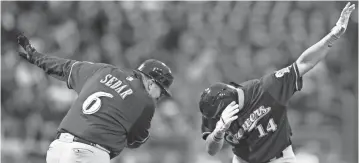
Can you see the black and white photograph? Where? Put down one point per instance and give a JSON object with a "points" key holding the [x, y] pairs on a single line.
{"points": [[179, 81]]}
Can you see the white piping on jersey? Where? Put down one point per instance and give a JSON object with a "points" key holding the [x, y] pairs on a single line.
{"points": [[68, 78], [296, 77], [141, 142]]}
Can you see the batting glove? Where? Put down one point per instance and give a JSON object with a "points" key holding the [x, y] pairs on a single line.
{"points": [[24, 42], [342, 23], [227, 117]]}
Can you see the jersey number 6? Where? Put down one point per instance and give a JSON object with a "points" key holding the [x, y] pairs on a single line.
{"points": [[93, 103]]}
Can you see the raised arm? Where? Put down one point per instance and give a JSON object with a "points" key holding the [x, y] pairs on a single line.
{"points": [[57, 67], [74, 73], [310, 57]]}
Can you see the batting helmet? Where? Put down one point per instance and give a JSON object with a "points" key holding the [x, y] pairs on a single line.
{"points": [[159, 72], [215, 99]]}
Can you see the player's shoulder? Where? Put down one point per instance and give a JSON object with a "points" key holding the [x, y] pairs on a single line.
{"points": [[95, 67], [97, 64], [250, 83], [248, 86], [119, 72], [252, 89]]}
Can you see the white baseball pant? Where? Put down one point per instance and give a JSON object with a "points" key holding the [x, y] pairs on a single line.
{"points": [[65, 150]]}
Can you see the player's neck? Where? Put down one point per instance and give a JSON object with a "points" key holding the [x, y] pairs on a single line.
{"points": [[240, 98]]}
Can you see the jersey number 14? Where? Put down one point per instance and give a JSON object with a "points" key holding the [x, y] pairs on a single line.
{"points": [[271, 127]]}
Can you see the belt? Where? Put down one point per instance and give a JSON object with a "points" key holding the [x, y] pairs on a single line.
{"points": [[73, 138]]}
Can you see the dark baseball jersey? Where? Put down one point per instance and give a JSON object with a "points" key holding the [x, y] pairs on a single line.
{"points": [[262, 130], [113, 108]]}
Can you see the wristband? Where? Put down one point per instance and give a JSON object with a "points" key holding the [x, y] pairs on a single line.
{"points": [[216, 139], [217, 135], [334, 34], [331, 39]]}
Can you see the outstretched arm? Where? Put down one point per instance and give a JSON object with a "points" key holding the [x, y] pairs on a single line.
{"points": [[74, 73], [57, 67], [310, 57]]}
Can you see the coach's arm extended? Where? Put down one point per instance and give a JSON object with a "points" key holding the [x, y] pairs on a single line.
{"points": [[56, 67], [74, 73]]}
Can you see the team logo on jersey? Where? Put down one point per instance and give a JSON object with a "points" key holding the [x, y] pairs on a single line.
{"points": [[282, 71], [129, 78], [234, 138], [254, 117]]}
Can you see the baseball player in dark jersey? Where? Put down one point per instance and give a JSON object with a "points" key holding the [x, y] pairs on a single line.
{"points": [[113, 110], [252, 116]]}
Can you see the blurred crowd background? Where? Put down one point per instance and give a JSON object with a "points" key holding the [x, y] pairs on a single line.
{"points": [[203, 42]]}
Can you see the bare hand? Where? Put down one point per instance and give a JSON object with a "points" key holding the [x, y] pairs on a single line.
{"points": [[342, 23]]}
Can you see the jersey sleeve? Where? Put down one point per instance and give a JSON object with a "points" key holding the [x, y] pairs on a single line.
{"points": [[139, 133], [56, 67], [283, 83], [80, 71], [208, 125]]}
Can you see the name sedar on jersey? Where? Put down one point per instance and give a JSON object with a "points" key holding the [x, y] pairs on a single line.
{"points": [[116, 84]]}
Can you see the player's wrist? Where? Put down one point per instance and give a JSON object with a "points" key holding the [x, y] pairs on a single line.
{"points": [[218, 133], [332, 37], [216, 138]]}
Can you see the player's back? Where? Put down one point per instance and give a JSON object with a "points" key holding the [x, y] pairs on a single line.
{"points": [[110, 101]]}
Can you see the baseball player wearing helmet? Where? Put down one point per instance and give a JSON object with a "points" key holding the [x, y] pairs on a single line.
{"points": [[252, 116], [113, 110]]}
